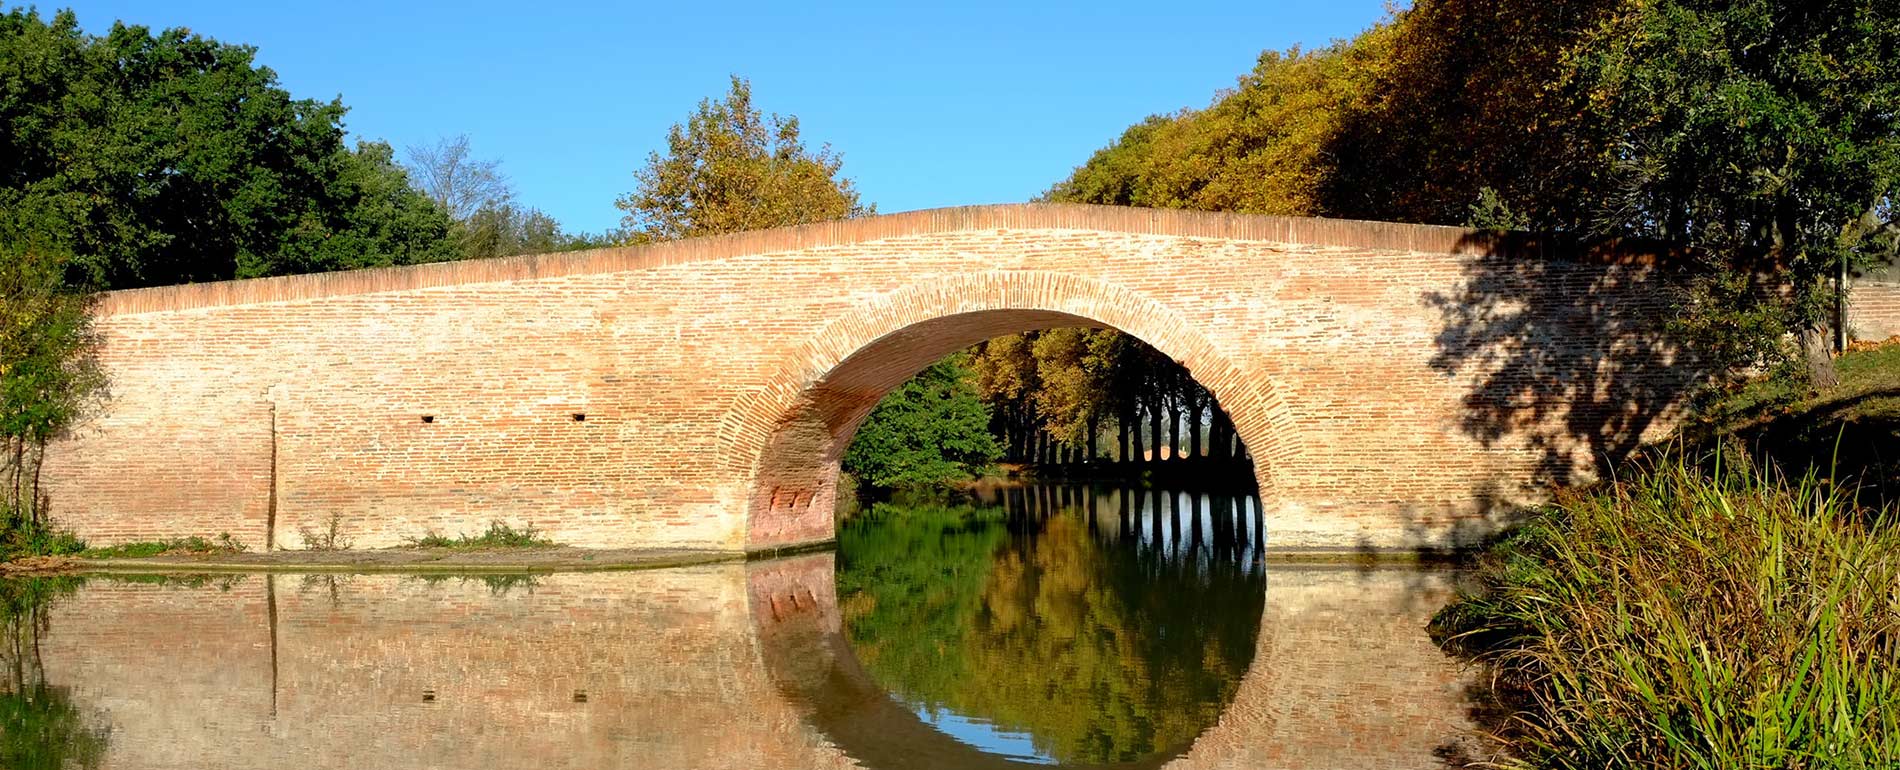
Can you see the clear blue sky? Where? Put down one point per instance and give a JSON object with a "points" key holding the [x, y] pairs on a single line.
{"points": [[930, 105]]}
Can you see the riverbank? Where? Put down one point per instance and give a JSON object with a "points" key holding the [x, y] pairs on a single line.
{"points": [[406, 560], [571, 559], [1705, 607]]}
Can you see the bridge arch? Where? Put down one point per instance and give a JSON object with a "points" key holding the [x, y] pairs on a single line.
{"points": [[786, 438]]}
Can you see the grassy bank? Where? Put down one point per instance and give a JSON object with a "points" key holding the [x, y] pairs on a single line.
{"points": [[1849, 433], [1693, 618]]}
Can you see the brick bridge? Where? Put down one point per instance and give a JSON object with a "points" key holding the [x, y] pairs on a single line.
{"points": [[1398, 385]]}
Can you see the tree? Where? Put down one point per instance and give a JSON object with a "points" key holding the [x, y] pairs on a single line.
{"points": [[48, 377], [488, 222], [931, 430], [1258, 148], [170, 157], [1766, 135], [448, 173], [729, 168]]}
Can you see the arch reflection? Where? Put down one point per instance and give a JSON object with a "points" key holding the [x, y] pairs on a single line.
{"points": [[1072, 625]]}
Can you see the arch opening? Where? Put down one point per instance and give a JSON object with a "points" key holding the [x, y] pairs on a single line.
{"points": [[794, 474]]}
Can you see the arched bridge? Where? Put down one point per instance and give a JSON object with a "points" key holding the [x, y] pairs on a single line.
{"points": [[1398, 385]]}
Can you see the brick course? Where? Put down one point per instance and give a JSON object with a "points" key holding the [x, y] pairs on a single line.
{"points": [[1399, 385]]}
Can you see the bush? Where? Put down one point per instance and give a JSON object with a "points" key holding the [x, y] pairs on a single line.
{"points": [[499, 535], [1711, 618], [224, 544], [29, 538]]}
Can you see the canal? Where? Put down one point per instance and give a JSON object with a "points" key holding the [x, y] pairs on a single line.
{"points": [[1020, 626]]}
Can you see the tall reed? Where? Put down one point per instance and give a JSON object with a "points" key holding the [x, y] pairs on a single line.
{"points": [[1713, 616]]}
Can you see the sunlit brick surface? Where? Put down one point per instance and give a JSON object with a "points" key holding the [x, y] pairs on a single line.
{"points": [[1397, 384]]}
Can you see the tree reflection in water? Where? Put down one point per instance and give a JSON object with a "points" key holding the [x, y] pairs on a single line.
{"points": [[1107, 625]]}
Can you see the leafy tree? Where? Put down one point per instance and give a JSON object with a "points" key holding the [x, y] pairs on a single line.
{"points": [[48, 377], [729, 168], [170, 157], [930, 430], [1766, 134], [1258, 148]]}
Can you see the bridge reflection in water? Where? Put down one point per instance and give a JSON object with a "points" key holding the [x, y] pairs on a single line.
{"points": [[760, 665]]}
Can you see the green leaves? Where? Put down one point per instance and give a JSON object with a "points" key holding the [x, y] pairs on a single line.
{"points": [[170, 158], [929, 431]]}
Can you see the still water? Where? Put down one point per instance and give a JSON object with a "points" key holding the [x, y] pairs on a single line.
{"points": [[1039, 626]]}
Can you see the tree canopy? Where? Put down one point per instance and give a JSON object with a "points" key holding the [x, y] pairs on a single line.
{"points": [[730, 168], [930, 430], [169, 157], [1760, 134]]}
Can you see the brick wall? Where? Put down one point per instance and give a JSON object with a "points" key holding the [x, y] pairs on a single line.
{"points": [[1873, 307], [1397, 384]]}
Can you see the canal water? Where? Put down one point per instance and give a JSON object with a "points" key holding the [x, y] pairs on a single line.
{"points": [[1014, 627]]}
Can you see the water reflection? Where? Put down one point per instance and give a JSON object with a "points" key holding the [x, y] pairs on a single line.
{"points": [[734, 666], [1019, 624]]}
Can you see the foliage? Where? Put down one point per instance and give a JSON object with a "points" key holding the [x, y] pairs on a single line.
{"points": [[170, 157], [478, 197], [729, 168], [1257, 149], [498, 535], [1766, 134], [1068, 384], [223, 543], [1763, 135], [931, 430], [29, 539], [1102, 651], [330, 538], [48, 376], [1718, 618]]}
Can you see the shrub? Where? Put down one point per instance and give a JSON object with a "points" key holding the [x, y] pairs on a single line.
{"points": [[499, 535]]}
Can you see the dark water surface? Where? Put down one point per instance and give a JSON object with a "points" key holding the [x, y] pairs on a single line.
{"points": [[1023, 627]]}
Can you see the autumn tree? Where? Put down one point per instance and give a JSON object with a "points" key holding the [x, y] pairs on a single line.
{"points": [[730, 168]]}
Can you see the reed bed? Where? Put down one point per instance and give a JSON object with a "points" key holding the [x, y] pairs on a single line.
{"points": [[1697, 615]]}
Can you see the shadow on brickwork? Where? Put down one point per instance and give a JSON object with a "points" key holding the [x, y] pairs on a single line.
{"points": [[1567, 349]]}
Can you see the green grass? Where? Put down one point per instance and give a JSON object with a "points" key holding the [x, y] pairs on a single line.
{"points": [[499, 535], [1695, 615], [147, 548], [27, 539], [1850, 433]]}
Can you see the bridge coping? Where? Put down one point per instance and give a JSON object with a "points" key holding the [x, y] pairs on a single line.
{"points": [[1305, 231]]}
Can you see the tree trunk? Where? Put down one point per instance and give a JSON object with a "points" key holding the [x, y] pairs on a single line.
{"points": [[1154, 428], [1134, 436], [1095, 430], [1195, 410], [1820, 360], [1121, 440], [33, 491], [1174, 429]]}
